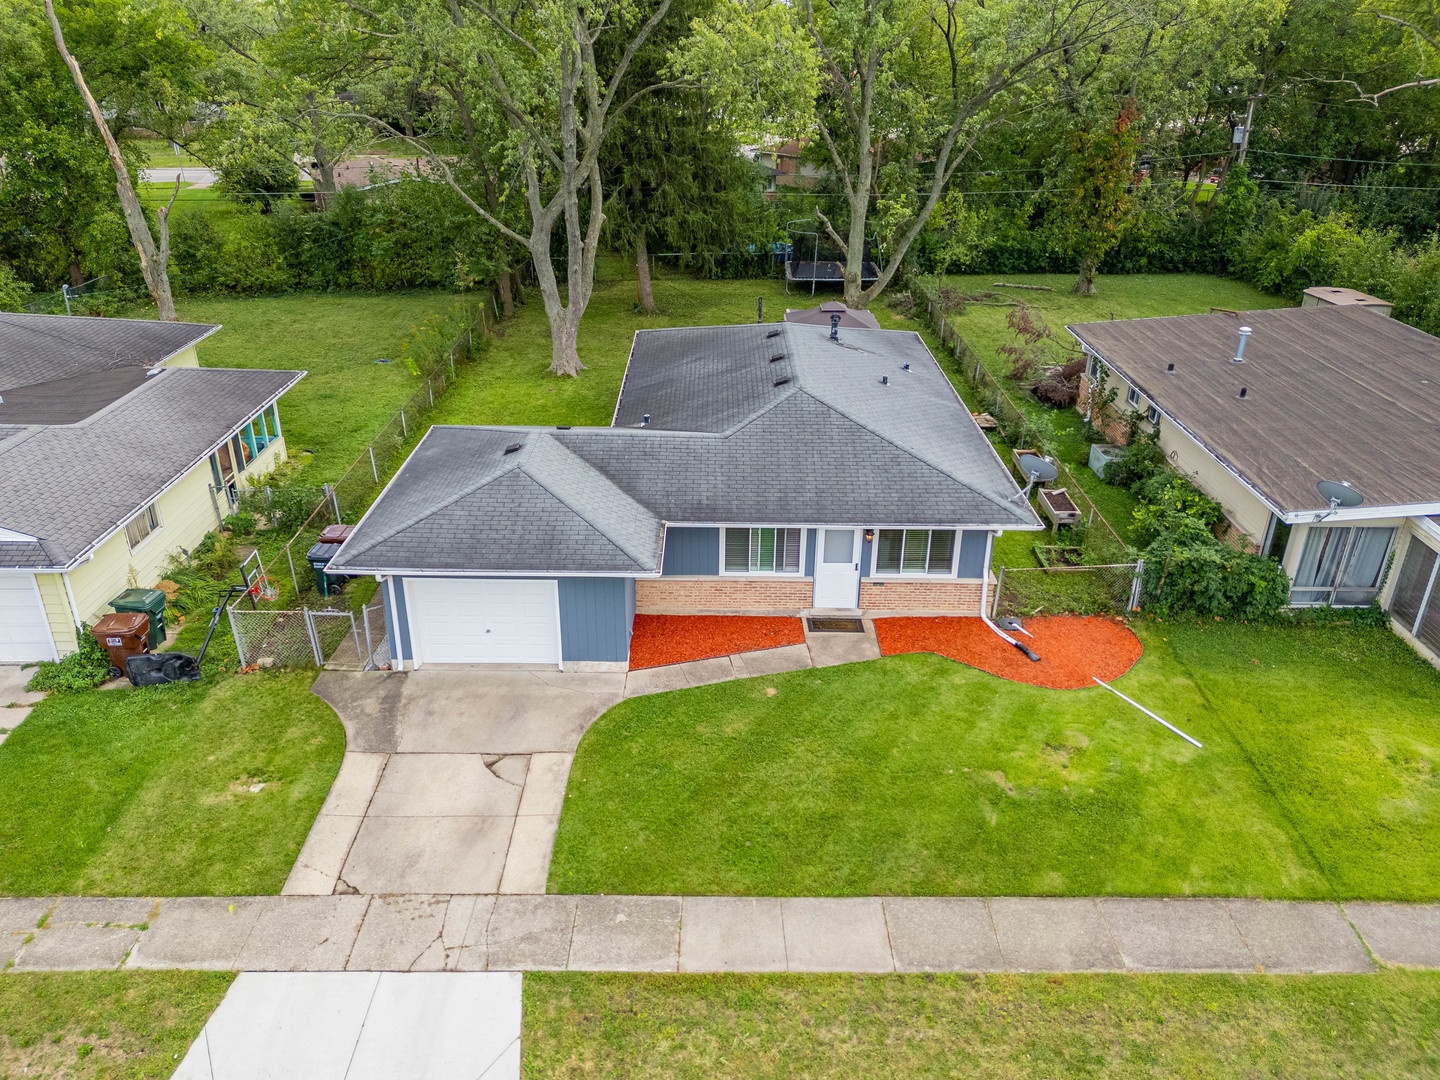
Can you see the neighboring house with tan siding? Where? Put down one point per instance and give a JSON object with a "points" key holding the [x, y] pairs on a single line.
{"points": [[1259, 408], [753, 469], [117, 451]]}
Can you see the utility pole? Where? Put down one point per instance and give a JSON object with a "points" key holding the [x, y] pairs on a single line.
{"points": [[1245, 131]]}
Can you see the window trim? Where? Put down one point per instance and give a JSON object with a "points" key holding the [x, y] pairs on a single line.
{"points": [[790, 575], [154, 522], [902, 575], [1132, 398], [1152, 414]]}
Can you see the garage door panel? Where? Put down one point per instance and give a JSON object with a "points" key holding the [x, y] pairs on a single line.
{"points": [[484, 620], [24, 629]]}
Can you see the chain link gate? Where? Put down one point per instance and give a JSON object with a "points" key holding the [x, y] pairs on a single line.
{"points": [[294, 638], [1113, 589]]}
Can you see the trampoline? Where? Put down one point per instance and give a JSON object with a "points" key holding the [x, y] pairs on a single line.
{"points": [[826, 264]]}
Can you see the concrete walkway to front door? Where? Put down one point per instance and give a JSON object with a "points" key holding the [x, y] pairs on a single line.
{"points": [[454, 777]]}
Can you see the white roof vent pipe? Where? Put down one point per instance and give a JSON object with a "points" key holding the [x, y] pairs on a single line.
{"points": [[1245, 333]]}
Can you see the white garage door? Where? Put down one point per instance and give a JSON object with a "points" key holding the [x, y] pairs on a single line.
{"points": [[483, 621], [24, 631]]}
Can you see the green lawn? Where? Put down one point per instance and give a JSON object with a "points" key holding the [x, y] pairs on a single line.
{"points": [[145, 792], [346, 397], [916, 775], [648, 1027], [116, 1025]]}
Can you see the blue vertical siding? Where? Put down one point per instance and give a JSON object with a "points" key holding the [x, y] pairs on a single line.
{"points": [[692, 551], [595, 618], [811, 535], [972, 554], [865, 546]]}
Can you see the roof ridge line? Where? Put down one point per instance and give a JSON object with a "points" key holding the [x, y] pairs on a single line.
{"points": [[582, 516], [906, 450]]}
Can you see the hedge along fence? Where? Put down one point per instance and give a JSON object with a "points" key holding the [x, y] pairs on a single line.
{"points": [[1101, 544], [440, 362]]}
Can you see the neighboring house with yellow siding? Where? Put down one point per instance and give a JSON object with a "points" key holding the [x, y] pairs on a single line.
{"points": [[117, 451]]}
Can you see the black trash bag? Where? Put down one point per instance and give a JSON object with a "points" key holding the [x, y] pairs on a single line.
{"points": [[155, 669]]}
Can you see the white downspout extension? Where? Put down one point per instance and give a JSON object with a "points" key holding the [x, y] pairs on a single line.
{"points": [[984, 589]]}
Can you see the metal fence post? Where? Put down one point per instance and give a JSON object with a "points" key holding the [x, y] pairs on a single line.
{"points": [[373, 469], [999, 581], [334, 504], [314, 637], [404, 428], [430, 387], [1135, 584], [369, 645], [294, 578], [355, 630], [214, 502]]}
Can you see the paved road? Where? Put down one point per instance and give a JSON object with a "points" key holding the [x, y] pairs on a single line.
{"points": [[669, 933]]}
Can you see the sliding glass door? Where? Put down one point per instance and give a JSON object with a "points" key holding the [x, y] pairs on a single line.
{"points": [[1341, 566]]}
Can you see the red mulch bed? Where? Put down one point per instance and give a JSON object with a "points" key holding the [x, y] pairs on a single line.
{"points": [[673, 639], [1072, 648]]}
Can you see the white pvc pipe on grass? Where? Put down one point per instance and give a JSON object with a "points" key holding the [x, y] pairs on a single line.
{"points": [[1150, 714]]}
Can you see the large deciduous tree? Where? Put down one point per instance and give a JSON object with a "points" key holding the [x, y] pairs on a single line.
{"points": [[553, 71], [910, 86], [1100, 193]]}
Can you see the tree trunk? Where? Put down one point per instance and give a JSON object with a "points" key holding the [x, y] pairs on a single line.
{"points": [[1085, 283], [324, 183], [76, 277], [502, 284], [153, 261], [564, 342], [642, 276], [518, 285]]}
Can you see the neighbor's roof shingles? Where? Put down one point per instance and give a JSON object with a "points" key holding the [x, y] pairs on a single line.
{"points": [[69, 485], [43, 348], [1331, 393]]}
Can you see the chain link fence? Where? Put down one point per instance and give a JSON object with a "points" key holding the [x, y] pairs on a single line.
{"points": [[1068, 590], [1098, 541]]}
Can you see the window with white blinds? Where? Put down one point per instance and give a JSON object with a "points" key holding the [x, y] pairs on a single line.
{"points": [[762, 551]]}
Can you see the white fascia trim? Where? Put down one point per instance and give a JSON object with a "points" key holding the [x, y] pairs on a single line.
{"points": [[88, 551], [539, 575], [1268, 503], [1418, 511], [853, 525], [1425, 525]]}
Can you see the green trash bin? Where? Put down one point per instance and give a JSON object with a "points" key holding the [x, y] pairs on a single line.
{"points": [[149, 601]]}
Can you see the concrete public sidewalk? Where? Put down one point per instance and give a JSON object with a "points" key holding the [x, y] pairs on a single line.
{"points": [[754, 934]]}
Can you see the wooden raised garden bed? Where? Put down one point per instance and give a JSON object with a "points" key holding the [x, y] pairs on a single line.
{"points": [[1059, 507]]}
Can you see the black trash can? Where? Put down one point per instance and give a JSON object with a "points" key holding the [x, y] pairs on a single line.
{"points": [[149, 602], [319, 557]]}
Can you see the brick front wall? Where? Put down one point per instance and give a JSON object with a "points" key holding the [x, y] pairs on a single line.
{"points": [[961, 596], [680, 594]]}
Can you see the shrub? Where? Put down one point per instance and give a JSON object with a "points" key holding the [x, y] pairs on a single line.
{"points": [[1187, 569], [242, 523], [84, 669]]}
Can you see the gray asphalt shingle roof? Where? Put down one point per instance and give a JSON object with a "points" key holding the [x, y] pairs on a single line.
{"points": [[831, 444], [42, 348], [70, 485]]}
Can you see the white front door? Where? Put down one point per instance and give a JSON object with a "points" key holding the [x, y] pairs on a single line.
{"points": [[837, 569], [24, 630], [483, 620]]}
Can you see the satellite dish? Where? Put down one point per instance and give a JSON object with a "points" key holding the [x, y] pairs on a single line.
{"points": [[1037, 468], [1339, 494]]}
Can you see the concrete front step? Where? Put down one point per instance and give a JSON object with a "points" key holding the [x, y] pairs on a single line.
{"points": [[694, 934]]}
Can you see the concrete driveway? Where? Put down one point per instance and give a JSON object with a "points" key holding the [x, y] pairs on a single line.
{"points": [[454, 777], [452, 781]]}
